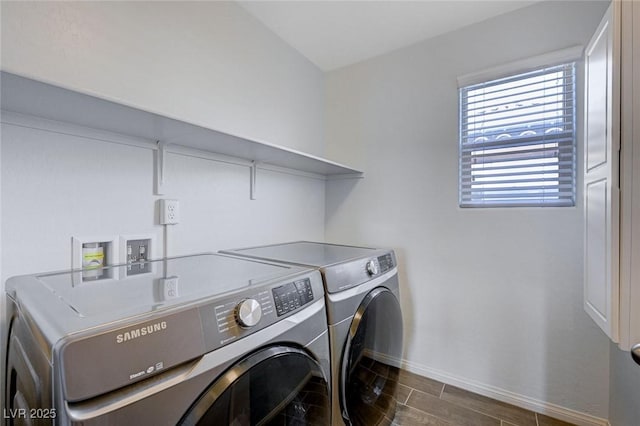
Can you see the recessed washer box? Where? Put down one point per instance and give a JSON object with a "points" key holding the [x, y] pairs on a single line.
{"points": [[136, 250], [91, 254]]}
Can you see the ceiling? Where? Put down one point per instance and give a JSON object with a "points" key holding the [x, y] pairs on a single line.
{"points": [[334, 34]]}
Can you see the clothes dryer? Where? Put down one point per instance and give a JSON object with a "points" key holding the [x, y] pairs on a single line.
{"points": [[365, 323], [204, 339]]}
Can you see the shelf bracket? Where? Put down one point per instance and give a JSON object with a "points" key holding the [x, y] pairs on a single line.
{"points": [[253, 169], [161, 154]]}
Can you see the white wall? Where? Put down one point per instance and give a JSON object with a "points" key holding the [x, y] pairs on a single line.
{"points": [[208, 63], [55, 186], [492, 298]]}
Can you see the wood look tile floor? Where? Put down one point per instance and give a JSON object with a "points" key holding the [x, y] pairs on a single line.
{"points": [[422, 401]]}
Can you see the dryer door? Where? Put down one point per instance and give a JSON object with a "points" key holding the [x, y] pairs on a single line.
{"points": [[371, 360], [278, 385]]}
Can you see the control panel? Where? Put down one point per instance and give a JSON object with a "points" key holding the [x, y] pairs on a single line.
{"points": [[379, 265], [234, 317], [293, 295], [385, 263]]}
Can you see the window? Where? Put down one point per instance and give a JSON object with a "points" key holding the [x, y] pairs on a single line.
{"points": [[517, 140]]}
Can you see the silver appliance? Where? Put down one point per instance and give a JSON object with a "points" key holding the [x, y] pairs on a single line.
{"points": [[365, 323], [204, 339]]}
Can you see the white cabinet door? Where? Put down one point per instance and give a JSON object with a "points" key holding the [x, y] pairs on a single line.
{"points": [[601, 178]]}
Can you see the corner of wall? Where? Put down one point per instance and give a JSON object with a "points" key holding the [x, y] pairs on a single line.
{"points": [[624, 409]]}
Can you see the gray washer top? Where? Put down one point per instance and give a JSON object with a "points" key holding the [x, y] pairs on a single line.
{"points": [[342, 266], [306, 253], [69, 301]]}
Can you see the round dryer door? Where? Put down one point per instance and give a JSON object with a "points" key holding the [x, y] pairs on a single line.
{"points": [[276, 386], [371, 361]]}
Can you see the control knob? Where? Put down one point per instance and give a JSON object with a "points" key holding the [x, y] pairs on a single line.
{"points": [[248, 312], [372, 267]]}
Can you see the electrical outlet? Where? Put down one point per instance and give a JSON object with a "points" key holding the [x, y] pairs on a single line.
{"points": [[169, 212], [170, 289]]}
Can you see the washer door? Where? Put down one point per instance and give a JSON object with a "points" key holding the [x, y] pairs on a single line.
{"points": [[371, 360], [278, 385]]}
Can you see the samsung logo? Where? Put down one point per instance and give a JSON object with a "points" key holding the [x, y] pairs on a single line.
{"points": [[140, 332]]}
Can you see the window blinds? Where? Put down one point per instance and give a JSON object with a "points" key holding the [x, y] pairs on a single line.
{"points": [[517, 140]]}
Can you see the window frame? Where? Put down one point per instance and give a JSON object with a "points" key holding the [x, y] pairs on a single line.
{"points": [[566, 139]]}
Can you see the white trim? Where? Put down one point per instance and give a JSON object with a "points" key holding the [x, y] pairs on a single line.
{"points": [[557, 57], [522, 401]]}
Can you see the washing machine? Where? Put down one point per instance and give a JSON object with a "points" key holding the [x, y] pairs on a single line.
{"points": [[204, 339], [365, 323]]}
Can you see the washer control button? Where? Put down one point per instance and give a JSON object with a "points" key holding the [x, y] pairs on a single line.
{"points": [[248, 313], [372, 267]]}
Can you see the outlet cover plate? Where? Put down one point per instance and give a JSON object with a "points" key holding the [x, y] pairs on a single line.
{"points": [[169, 212]]}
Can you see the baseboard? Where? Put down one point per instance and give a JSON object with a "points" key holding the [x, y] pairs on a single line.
{"points": [[546, 408]]}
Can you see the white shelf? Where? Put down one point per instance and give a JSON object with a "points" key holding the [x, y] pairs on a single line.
{"points": [[31, 97]]}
